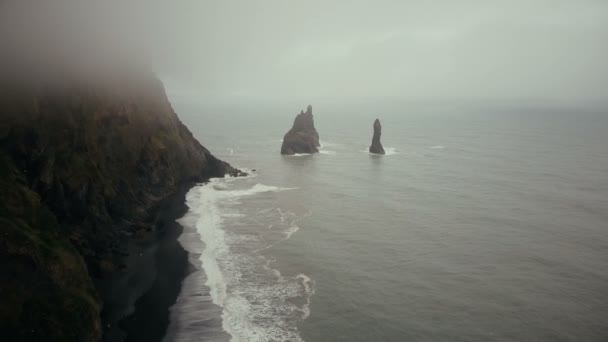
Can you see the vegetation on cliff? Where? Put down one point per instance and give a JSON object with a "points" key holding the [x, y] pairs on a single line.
{"points": [[80, 167]]}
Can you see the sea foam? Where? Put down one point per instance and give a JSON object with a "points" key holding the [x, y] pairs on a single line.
{"points": [[254, 297], [389, 151]]}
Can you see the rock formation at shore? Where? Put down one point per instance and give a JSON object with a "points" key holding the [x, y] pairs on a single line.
{"points": [[376, 146], [82, 168], [302, 137]]}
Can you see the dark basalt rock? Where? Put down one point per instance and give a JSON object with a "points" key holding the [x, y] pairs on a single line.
{"points": [[81, 167], [302, 137], [376, 146]]}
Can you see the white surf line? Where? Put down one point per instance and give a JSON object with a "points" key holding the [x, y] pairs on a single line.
{"points": [[218, 262]]}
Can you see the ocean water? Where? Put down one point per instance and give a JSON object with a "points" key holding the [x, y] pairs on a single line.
{"points": [[482, 222]]}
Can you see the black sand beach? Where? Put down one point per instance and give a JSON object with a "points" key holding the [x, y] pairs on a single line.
{"points": [[137, 299]]}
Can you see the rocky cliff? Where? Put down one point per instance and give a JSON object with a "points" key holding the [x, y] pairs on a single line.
{"points": [[81, 167], [302, 137], [376, 146]]}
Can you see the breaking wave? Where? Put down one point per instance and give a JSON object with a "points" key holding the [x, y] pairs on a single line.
{"points": [[387, 150], [258, 303]]}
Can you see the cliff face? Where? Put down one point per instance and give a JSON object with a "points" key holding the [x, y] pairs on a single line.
{"points": [[302, 137], [81, 168], [376, 146]]}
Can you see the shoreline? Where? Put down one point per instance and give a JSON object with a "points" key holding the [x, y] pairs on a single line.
{"points": [[137, 300]]}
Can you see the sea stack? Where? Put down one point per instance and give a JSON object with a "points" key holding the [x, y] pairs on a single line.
{"points": [[376, 146], [302, 137]]}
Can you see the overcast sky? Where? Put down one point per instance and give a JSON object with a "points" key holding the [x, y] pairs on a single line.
{"points": [[252, 49]]}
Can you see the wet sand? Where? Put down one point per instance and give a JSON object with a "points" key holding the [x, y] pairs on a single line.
{"points": [[137, 299]]}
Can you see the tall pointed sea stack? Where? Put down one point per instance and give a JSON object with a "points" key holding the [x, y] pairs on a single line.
{"points": [[376, 146], [302, 137]]}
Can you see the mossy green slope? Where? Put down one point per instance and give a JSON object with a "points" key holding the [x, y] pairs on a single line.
{"points": [[81, 168], [45, 290]]}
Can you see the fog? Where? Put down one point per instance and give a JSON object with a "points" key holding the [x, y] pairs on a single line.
{"points": [[530, 50]]}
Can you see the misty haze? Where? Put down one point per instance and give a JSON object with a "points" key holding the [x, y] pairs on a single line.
{"points": [[303, 170]]}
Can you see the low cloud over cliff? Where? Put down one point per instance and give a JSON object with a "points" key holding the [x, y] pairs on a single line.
{"points": [[540, 49]]}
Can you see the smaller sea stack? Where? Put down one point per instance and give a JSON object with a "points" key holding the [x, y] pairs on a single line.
{"points": [[376, 146], [302, 137]]}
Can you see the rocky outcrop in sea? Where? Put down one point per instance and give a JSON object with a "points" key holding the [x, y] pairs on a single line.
{"points": [[302, 137], [376, 146]]}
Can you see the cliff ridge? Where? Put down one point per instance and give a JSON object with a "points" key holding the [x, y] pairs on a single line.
{"points": [[82, 166]]}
